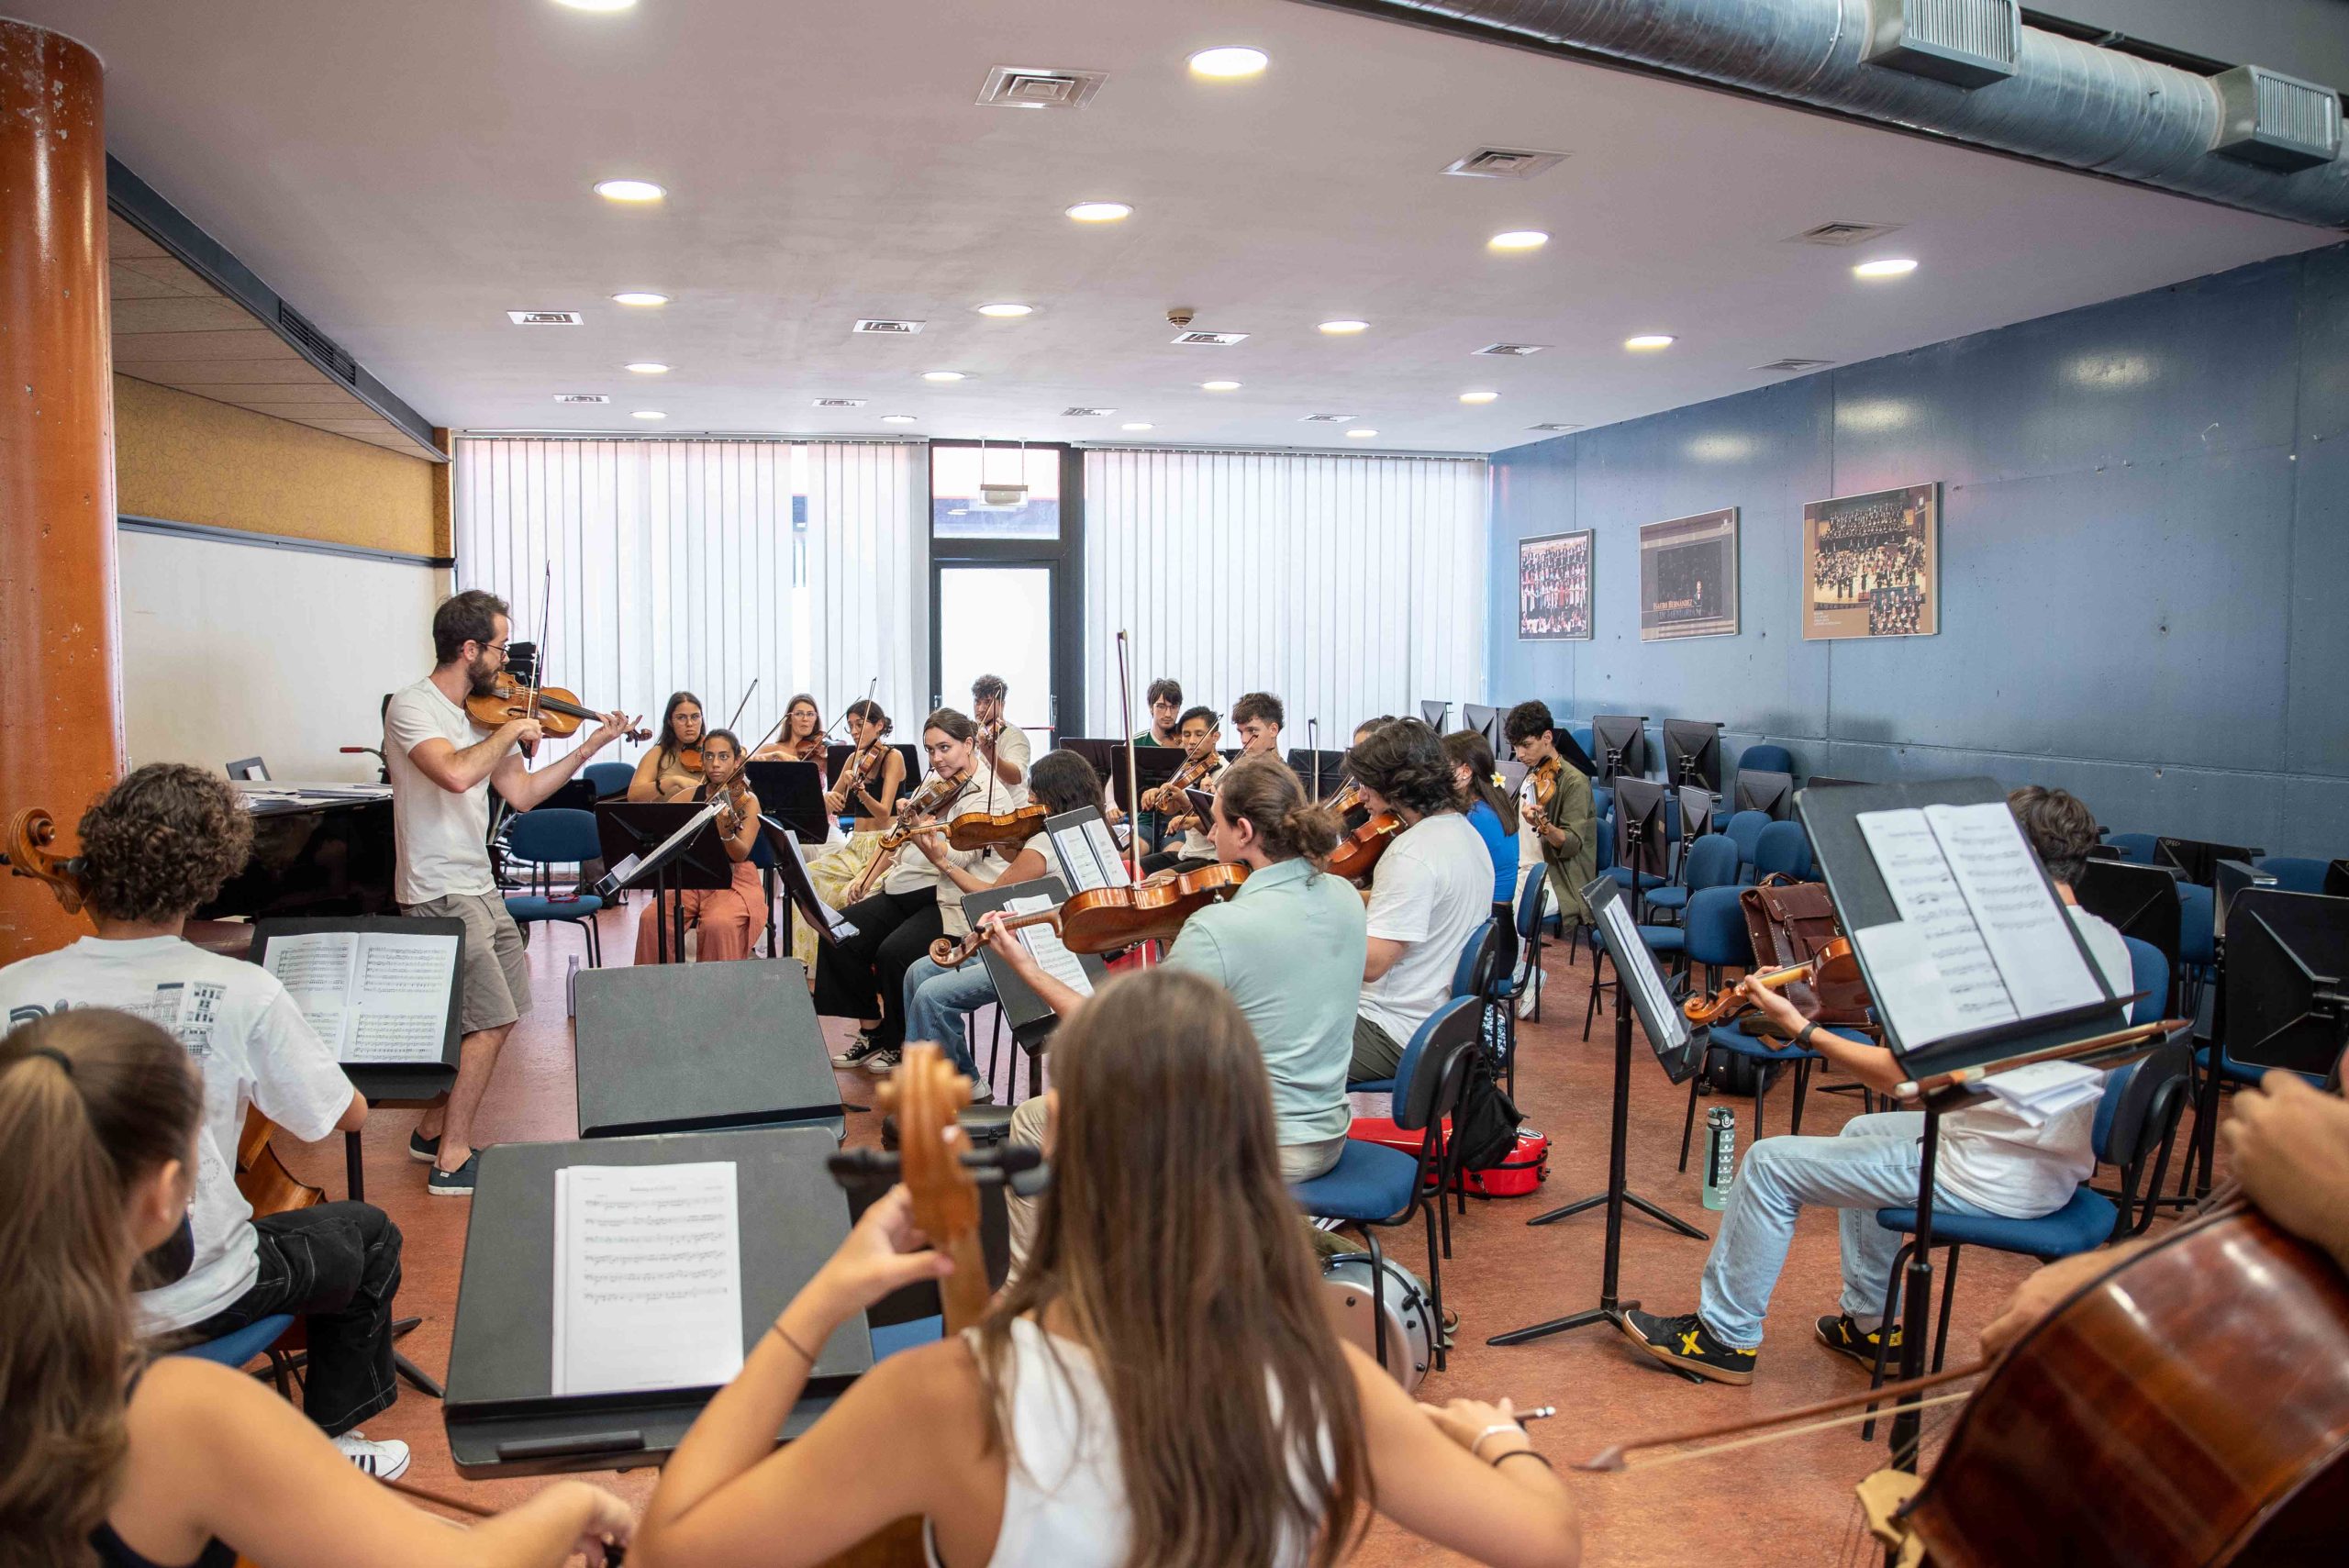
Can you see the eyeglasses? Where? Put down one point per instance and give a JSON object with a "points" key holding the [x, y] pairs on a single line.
{"points": [[496, 647]]}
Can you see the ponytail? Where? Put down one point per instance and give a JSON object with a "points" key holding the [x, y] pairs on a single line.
{"points": [[1263, 791], [1469, 747]]}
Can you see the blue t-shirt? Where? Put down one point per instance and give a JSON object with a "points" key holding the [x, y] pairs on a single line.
{"points": [[1500, 845]]}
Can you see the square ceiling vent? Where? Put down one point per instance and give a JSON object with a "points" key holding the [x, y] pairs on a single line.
{"points": [[1085, 413], [1553, 427], [580, 397], [1504, 164], [1327, 419], [1845, 233], [1210, 340], [881, 328], [1795, 364], [1510, 350], [840, 403], [1040, 87], [546, 318]]}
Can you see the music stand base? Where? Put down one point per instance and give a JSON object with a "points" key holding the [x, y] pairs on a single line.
{"points": [[1654, 1211]]}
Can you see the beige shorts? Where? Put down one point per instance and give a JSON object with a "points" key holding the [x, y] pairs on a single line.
{"points": [[498, 970]]}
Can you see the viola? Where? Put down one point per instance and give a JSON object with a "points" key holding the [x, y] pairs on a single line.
{"points": [[559, 713], [1833, 964], [977, 829], [1357, 853]]}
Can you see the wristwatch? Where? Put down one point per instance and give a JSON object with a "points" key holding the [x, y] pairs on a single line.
{"points": [[1802, 1035]]}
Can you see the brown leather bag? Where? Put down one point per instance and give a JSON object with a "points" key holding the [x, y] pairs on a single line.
{"points": [[1788, 922]]}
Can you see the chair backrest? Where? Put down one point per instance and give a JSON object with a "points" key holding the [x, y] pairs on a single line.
{"points": [[1714, 927], [2135, 848], [552, 835], [1783, 849], [248, 768], [2148, 972], [1712, 863], [2125, 1123], [1602, 801], [607, 779], [2295, 874], [1433, 1056], [1581, 732], [1478, 955], [1533, 902], [1768, 758], [1744, 830]]}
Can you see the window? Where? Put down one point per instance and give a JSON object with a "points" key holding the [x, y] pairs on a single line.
{"points": [[994, 490]]}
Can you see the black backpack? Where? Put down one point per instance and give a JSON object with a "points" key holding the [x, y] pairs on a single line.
{"points": [[1485, 1124]]}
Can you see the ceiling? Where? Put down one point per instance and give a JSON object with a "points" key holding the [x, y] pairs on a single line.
{"points": [[404, 175]]}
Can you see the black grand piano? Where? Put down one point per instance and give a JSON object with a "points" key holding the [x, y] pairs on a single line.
{"points": [[317, 850]]}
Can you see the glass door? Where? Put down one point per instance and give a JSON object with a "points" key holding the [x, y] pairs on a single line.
{"points": [[998, 620]]}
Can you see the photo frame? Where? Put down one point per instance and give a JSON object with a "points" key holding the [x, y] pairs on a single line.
{"points": [[1871, 564], [1689, 577], [1556, 584]]}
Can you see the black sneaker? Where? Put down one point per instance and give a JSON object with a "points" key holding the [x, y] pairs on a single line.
{"points": [[422, 1148], [1686, 1346], [1839, 1334], [858, 1050], [458, 1182], [881, 1061]]}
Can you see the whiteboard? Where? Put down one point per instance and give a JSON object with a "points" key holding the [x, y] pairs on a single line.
{"points": [[232, 650]]}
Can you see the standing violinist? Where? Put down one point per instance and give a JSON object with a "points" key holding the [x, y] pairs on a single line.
{"points": [[672, 770], [1003, 745], [1202, 763], [867, 787], [441, 770], [731, 919], [1558, 806]]}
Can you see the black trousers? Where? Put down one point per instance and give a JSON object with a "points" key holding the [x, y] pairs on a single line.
{"points": [[866, 974], [336, 1267], [1152, 864]]}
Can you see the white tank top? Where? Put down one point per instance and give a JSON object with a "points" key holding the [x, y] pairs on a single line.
{"points": [[1063, 1491]]}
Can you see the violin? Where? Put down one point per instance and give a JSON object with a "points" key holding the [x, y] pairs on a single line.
{"points": [[1357, 853], [1105, 920], [935, 792], [1835, 964], [978, 829], [559, 712], [861, 763], [1168, 797]]}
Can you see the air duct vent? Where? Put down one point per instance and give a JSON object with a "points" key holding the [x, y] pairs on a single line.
{"points": [[1842, 234], [1210, 340], [1553, 429], [1040, 87], [1794, 364], [1969, 43], [546, 318], [328, 351], [1510, 350], [1327, 419], [580, 397], [1504, 164], [840, 403], [1085, 413], [2279, 122], [889, 329]]}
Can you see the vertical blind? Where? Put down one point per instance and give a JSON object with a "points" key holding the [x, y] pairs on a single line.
{"points": [[1347, 586], [705, 565]]}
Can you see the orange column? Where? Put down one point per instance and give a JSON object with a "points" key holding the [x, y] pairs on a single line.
{"points": [[61, 701]]}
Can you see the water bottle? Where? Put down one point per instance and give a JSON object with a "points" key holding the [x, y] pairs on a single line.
{"points": [[1721, 1155], [570, 988]]}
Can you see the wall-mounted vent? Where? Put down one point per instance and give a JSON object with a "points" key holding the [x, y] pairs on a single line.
{"points": [[1970, 43], [1085, 413], [1843, 234], [840, 403], [1040, 87], [1210, 340], [1794, 364], [328, 352], [1510, 350], [1327, 420], [1504, 164], [546, 318], [580, 397], [1553, 429], [2281, 122], [887, 329]]}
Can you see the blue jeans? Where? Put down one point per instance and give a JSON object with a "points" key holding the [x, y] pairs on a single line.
{"points": [[1873, 1164], [938, 1002]]}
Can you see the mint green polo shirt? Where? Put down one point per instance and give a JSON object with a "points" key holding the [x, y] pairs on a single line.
{"points": [[1289, 947]]}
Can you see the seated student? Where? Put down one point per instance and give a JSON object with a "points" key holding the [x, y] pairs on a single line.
{"points": [[155, 848], [1558, 806], [1991, 1162], [1491, 811], [1201, 736], [1428, 892], [108, 1460], [939, 1000], [731, 919], [1084, 1424]]}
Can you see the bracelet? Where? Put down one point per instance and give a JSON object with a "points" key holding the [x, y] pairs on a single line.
{"points": [[1528, 1453], [1478, 1441], [784, 1335], [1802, 1035]]}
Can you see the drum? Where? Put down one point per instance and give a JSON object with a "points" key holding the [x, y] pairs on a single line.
{"points": [[1410, 1316]]}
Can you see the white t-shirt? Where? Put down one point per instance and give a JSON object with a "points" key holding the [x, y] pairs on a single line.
{"points": [[913, 872], [1994, 1159], [1013, 747], [249, 1038], [442, 837], [1431, 889]]}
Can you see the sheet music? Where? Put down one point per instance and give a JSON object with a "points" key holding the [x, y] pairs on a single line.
{"points": [[1096, 833], [1044, 944], [1089, 856], [373, 996], [2025, 928], [1637, 966], [1941, 980], [648, 1277]]}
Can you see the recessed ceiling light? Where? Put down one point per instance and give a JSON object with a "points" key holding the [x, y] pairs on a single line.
{"points": [[1478, 397], [650, 367], [1007, 310], [650, 414], [1890, 267], [1649, 340], [1100, 212], [1518, 239], [1218, 386], [942, 375], [598, 4], [1137, 425], [897, 418], [1229, 62], [640, 296], [1360, 434], [1343, 329], [628, 191]]}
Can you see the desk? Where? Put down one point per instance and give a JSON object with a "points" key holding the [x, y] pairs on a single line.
{"points": [[691, 1047]]}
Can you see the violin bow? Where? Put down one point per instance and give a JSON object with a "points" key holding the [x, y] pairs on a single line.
{"points": [[1715, 1437], [1134, 773], [546, 619], [743, 704]]}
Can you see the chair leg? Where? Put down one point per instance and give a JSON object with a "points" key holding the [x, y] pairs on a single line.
{"points": [[1597, 969], [1688, 1125], [1883, 1330], [1949, 1293], [1760, 1087], [1377, 1292], [1802, 1083], [1435, 1290]]}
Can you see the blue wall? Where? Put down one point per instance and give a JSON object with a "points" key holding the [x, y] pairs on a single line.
{"points": [[2144, 559]]}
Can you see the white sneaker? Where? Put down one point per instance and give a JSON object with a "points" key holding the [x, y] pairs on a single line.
{"points": [[1531, 998], [385, 1460]]}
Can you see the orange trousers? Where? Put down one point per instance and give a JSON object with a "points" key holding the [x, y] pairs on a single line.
{"points": [[731, 919]]}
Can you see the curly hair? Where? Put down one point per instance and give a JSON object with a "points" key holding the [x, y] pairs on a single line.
{"points": [[162, 842], [1260, 705], [2060, 830], [1405, 762]]}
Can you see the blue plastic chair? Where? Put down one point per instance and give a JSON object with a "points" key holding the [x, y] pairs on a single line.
{"points": [[1374, 1187], [2137, 849], [238, 1346], [551, 836], [1718, 939], [1533, 913], [1744, 830], [2295, 874], [1667, 942], [1581, 732], [607, 779], [1783, 849], [1711, 861], [1766, 758]]}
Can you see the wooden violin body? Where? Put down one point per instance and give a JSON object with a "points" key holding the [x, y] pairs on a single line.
{"points": [[1357, 853], [559, 712], [1103, 919], [1167, 798], [2189, 1406], [977, 829], [1833, 964]]}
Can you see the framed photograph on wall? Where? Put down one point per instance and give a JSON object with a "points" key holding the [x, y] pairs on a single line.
{"points": [[1871, 564], [1689, 577], [1553, 587]]}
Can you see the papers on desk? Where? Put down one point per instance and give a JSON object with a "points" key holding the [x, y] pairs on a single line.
{"points": [[2044, 1090], [1981, 940], [1044, 944], [373, 996], [648, 1277]]}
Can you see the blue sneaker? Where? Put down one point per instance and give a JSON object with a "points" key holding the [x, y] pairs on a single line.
{"points": [[458, 1182], [422, 1148]]}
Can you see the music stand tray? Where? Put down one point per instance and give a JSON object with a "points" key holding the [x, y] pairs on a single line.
{"points": [[685, 1048], [793, 793]]}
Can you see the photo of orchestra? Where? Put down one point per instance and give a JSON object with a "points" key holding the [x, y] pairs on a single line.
{"points": [[1553, 587], [1871, 564], [1689, 577]]}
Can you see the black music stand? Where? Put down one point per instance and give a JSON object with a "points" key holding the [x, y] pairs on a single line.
{"points": [[1486, 721], [2336, 880], [1639, 985], [793, 793], [2287, 979], [1435, 713], [1642, 836], [1154, 765], [1621, 741], [1323, 772], [1697, 808], [1692, 753], [1567, 747], [748, 1028], [641, 846], [2197, 859], [798, 887], [1760, 789], [1031, 1019], [2140, 902]]}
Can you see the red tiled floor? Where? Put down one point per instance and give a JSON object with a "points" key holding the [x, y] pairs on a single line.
{"points": [[1788, 1503]]}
